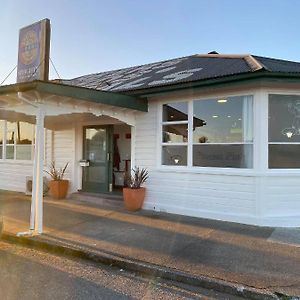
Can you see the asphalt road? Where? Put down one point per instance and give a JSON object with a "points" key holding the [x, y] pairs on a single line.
{"points": [[30, 274]]}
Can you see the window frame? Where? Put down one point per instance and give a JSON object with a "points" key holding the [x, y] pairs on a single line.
{"points": [[4, 145], [284, 169], [190, 143], [163, 123]]}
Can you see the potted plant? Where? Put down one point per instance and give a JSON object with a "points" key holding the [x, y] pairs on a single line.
{"points": [[58, 187], [134, 193]]}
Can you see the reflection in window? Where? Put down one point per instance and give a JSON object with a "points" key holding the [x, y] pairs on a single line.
{"points": [[284, 156], [174, 155], [223, 156], [284, 131], [222, 133], [223, 120], [175, 112], [17, 140], [284, 118], [224, 139], [24, 139], [175, 133], [10, 140], [95, 139]]}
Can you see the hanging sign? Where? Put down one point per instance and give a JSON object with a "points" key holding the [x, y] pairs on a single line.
{"points": [[34, 48]]}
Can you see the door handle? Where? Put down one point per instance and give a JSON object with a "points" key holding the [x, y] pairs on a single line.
{"points": [[108, 156]]}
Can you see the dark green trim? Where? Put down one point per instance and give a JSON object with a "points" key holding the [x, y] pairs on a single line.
{"points": [[90, 95], [220, 82]]}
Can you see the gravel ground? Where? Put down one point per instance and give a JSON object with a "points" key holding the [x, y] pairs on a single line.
{"points": [[30, 274]]}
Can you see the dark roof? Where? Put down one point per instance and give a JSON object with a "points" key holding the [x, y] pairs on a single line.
{"points": [[182, 70], [278, 65]]}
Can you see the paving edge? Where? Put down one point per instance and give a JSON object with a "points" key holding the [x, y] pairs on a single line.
{"points": [[145, 268]]}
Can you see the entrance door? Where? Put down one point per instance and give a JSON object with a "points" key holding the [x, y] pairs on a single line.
{"points": [[96, 178]]}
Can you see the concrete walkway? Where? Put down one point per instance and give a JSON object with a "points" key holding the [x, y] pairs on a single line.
{"points": [[263, 258]]}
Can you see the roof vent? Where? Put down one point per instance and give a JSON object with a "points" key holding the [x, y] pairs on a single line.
{"points": [[213, 52]]}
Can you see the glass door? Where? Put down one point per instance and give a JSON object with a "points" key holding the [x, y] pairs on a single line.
{"points": [[96, 177]]}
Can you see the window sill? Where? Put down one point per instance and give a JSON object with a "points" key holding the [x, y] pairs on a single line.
{"points": [[207, 170], [228, 171]]}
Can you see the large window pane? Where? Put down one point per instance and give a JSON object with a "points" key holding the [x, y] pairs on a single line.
{"points": [[174, 155], [175, 112], [10, 139], [24, 140], [10, 152], [284, 118], [23, 152], [284, 156], [175, 133], [223, 156], [225, 120]]}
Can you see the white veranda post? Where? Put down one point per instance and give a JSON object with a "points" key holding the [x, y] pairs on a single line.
{"points": [[36, 217]]}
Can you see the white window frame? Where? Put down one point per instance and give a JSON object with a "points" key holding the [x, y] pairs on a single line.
{"points": [[4, 144], [162, 123], [283, 93], [190, 143]]}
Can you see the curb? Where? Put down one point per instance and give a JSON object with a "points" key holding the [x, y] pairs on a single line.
{"points": [[145, 268]]}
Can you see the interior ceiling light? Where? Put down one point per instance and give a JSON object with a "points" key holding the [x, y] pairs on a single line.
{"points": [[222, 101], [215, 116]]}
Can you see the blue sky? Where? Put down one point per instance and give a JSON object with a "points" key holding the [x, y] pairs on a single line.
{"points": [[92, 36]]}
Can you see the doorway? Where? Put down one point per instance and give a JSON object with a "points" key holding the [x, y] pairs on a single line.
{"points": [[97, 151]]}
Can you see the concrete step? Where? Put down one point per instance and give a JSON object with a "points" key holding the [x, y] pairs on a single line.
{"points": [[113, 200]]}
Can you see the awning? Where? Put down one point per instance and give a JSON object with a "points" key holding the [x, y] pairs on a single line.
{"points": [[72, 92]]}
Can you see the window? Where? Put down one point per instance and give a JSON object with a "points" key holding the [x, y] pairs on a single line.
{"points": [[221, 133], [175, 134], [24, 140], [18, 144], [284, 131]]}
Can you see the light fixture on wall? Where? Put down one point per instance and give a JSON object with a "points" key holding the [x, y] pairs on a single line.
{"points": [[222, 101]]}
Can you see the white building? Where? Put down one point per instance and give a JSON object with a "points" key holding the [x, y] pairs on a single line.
{"points": [[219, 134]]}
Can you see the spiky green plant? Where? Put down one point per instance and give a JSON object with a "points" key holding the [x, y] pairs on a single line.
{"points": [[137, 178], [56, 174]]}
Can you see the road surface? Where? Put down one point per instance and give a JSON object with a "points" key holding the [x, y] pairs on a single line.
{"points": [[30, 274]]}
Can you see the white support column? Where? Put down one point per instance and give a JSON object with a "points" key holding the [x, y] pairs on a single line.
{"points": [[36, 218]]}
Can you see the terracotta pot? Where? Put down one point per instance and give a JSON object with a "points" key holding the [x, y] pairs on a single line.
{"points": [[59, 188], [134, 198]]}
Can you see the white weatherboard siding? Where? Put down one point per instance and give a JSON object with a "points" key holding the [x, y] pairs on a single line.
{"points": [[146, 138], [59, 146], [13, 175], [218, 196], [183, 192], [255, 196], [64, 152]]}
